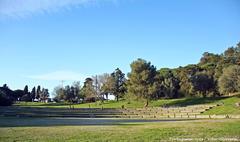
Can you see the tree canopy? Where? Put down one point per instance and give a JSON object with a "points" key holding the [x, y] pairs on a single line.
{"points": [[214, 75]]}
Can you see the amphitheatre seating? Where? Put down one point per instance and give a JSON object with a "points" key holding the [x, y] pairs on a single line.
{"points": [[60, 112], [194, 111], [172, 112]]}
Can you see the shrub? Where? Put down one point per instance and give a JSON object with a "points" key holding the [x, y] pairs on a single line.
{"points": [[5, 100]]}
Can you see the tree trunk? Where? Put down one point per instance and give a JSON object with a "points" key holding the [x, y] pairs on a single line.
{"points": [[107, 96], [146, 105], [117, 97]]}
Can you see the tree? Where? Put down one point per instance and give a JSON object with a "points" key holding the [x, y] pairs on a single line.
{"points": [[202, 83], [232, 55], [26, 90], [168, 84], [26, 97], [88, 90], [108, 85], [118, 80], [5, 100], [38, 92], [6, 96], [58, 93], [44, 95], [68, 93], [103, 85], [97, 86], [210, 58], [142, 79], [18, 94], [33, 93], [184, 75], [5, 86], [229, 82], [77, 90]]}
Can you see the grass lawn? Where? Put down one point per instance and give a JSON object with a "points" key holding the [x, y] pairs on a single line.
{"points": [[228, 106], [74, 129], [127, 104], [220, 130]]}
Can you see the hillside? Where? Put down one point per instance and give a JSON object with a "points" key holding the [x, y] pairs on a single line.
{"points": [[227, 104]]}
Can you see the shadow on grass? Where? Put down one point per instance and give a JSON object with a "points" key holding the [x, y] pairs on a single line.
{"points": [[195, 101], [50, 122]]}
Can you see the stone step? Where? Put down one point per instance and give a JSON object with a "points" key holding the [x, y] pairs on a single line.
{"points": [[154, 112], [56, 115], [62, 114]]}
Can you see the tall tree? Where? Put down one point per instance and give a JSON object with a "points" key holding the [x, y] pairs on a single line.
{"points": [[6, 96], [118, 83], [5, 86], [38, 93], [77, 90], [33, 93], [210, 58], [58, 93], [202, 83], [108, 85], [168, 84], [97, 85], [184, 75], [229, 82], [25, 90], [26, 97], [101, 85], [68, 93], [88, 90], [44, 95], [141, 79]]}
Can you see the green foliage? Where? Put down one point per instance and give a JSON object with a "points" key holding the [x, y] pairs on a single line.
{"points": [[119, 83], [7, 96], [229, 82], [33, 93], [108, 85], [5, 100], [142, 79], [210, 58], [38, 92], [202, 83], [167, 84], [88, 90], [184, 75], [214, 75], [70, 94]]}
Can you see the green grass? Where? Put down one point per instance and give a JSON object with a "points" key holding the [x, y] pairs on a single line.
{"points": [[140, 132], [50, 129], [228, 107], [127, 104], [136, 104]]}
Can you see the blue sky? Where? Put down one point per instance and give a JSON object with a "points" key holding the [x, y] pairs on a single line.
{"points": [[43, 42]]}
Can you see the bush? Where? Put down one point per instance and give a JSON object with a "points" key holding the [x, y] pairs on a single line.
{"points": [[4, 100]]}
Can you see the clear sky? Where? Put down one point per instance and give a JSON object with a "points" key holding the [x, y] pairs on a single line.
{"points": [[45, 41]]}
